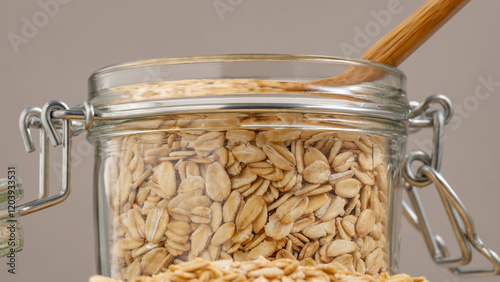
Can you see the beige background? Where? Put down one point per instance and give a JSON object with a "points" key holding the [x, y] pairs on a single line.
{"points": [[83, 36]]}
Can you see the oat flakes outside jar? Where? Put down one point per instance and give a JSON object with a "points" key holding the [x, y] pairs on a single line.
{"points": [[229, 164]]}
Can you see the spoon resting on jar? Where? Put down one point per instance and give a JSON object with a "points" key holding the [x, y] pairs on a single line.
{"points": [[395, 46]]}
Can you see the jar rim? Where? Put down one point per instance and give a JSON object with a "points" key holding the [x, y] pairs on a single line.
{"points": [[120, 92], [240, 57]]}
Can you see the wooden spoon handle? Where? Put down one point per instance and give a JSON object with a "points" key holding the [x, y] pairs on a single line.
{"points": [[399, 43], [396, 46]]}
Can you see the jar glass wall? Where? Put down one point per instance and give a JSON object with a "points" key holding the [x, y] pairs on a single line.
{"points": [[236, 162]]}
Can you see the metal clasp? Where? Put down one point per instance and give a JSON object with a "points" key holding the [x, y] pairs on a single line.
{"points": [[428, 173], [59, 130], [42, 119]]}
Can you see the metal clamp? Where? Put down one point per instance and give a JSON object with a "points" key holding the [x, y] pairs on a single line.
{"points": [[427, 173], [34, 117]]}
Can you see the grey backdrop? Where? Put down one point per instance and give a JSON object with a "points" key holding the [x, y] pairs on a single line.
{"points": [[48, 50]]}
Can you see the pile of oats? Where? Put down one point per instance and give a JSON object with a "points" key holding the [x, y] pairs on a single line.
{"points": [[239, 186], [315, 196], [261, 269]]}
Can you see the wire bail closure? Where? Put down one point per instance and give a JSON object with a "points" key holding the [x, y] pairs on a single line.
{"points": [[428, 173], [41, 118]]}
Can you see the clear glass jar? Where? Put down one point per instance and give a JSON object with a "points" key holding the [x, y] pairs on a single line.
{"points": [[248, 155]]}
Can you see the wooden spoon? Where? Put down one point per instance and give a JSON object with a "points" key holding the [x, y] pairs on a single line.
{"points": [[396, 46]]}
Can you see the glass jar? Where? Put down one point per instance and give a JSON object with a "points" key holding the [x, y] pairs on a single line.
{"points": [[241, 156], [247, 156]]}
